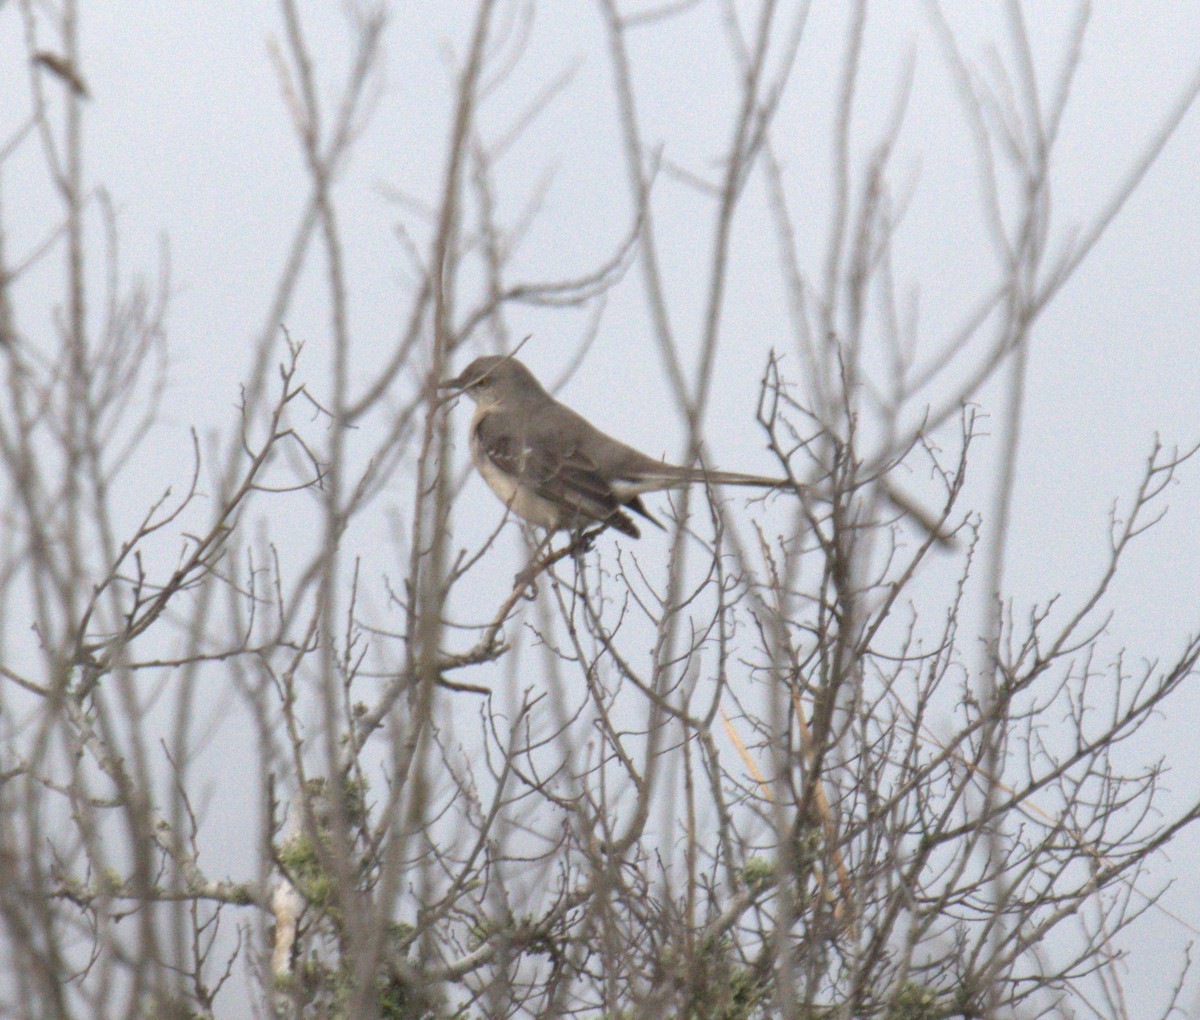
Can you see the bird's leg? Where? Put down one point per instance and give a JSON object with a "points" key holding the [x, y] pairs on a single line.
{"points": [[581, 543]]}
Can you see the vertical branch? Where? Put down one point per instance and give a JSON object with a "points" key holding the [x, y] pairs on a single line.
{"points": [[1022, 285], [78, 392], [635, 163], [427, 571]]}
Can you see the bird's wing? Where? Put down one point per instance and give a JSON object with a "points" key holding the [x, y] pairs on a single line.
{"points": [[555, 469], [627, 470]]}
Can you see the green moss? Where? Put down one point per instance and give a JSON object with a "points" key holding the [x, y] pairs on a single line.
{"points": [[302, 864], [757, 872], [240, 895], [914, 1002]]}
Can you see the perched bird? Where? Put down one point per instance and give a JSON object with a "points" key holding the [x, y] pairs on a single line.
{"points": [[554, 468]]}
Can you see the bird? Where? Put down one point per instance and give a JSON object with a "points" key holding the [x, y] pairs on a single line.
{"points": [[554, 468]]}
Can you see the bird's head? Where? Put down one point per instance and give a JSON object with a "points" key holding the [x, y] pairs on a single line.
{"points": [[494, 379]]}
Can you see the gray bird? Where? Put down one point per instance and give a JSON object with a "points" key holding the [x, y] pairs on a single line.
{"points": [[554, 468]]}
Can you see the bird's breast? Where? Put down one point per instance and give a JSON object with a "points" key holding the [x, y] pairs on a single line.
{"points": [[520, 499]]}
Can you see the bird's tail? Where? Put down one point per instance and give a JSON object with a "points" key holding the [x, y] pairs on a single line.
{"points": [[736, 478], [670, 476]]}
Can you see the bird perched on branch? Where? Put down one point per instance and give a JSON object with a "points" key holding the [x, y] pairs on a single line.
{"points": [[554, 468]]}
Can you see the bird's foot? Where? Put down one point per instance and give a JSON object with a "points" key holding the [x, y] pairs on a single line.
{"points": [[583, 541]]}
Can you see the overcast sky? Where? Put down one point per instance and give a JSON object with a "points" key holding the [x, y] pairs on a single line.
{"points": [[187, 131]]}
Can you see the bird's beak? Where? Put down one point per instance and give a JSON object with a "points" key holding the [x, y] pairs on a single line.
{"points": [[455, 384]]}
